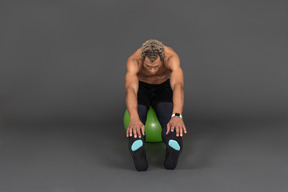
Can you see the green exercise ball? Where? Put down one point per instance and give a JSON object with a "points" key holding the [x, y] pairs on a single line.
{"points": [[153, 128]]}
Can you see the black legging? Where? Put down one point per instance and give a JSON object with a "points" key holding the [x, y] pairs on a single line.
{"points": [[163, 112]]}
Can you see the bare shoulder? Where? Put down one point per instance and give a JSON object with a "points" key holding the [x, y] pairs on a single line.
{"points": [[169, 52], [171, 58], [136, 55], [133, 64]]}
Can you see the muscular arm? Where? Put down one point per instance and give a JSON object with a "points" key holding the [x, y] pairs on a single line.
{"points": [[131, 88], [177, 83]]}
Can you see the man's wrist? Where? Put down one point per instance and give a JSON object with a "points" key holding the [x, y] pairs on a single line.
{"points": [[134, 118], [176, 115]]}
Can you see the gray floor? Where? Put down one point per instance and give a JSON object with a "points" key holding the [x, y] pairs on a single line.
{"points": [[232, 156]]}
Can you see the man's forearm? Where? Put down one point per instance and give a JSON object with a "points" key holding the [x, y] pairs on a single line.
{"points": [[178, 98], [132, 104]]}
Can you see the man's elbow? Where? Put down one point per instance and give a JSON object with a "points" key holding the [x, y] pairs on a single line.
{"points": [[130, 89], [178, 86]]}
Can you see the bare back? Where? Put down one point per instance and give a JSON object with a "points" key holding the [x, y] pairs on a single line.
{"points": [[162, 74]]}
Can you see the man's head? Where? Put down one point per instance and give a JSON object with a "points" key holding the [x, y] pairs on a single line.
{"points": [[152, 53], [152, 49]]}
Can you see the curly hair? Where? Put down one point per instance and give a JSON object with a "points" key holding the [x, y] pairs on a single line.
{"points": [[152, 49]]}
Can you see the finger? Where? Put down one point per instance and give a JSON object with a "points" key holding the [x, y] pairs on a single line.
{"points": [[185, 130], [135, 133], [143, 130], [181, 132], [127, 132], [168, 128], [130, 131], [139, 134], [172, 128], [177, 131]]}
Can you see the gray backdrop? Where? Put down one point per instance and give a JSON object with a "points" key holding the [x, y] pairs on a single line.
{"points": [[64, 63], [67, 59]]}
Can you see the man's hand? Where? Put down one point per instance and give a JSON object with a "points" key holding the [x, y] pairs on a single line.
{"points": [[135, 128], [178, 124]]}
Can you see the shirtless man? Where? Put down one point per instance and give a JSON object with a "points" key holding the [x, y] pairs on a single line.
{"points": [[154, 77]]}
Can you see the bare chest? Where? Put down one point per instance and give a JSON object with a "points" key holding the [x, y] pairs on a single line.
{"points": [[160, 77]]}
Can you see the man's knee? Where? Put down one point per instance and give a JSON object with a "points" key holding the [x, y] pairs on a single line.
{"points": [[164, 111]]}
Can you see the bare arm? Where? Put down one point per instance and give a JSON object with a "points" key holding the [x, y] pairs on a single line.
{"points": [[135, 126], [177, 83], [131, 88]]}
